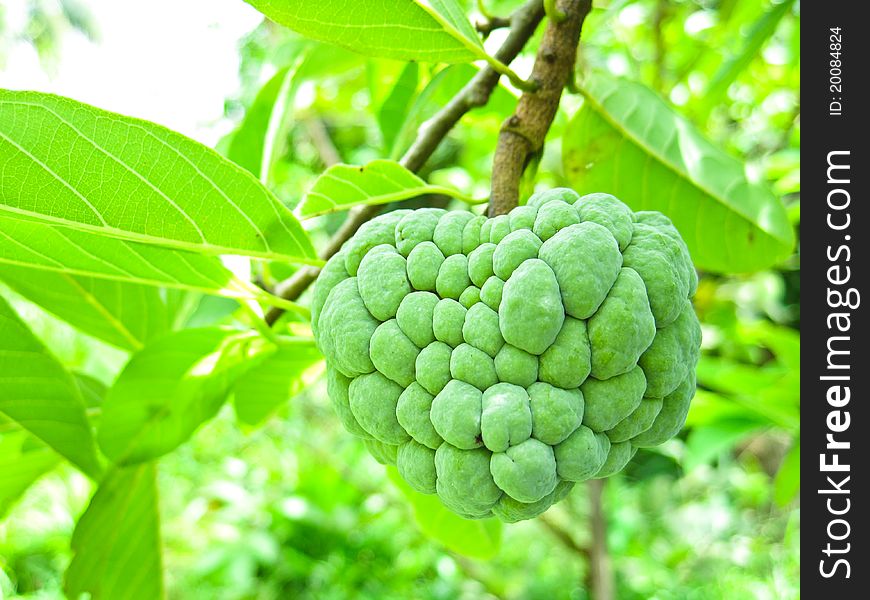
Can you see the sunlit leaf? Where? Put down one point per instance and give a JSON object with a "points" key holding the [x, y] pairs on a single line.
{"points": [[379, 182], [35, 245], [418, 30], [116, 543], [71, 164], [260, 391], [38, 394], [23, 460], [171, 387], [627, 141], [92, 390], [125, 315], [475, 538]]}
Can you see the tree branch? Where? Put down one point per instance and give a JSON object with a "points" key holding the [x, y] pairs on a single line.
{"points": [[600, 575], [475, 93], [319, 136], [523, 134], [490, 24]]}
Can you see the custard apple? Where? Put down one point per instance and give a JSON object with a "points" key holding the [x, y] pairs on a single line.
{"points": [[498, 361]]}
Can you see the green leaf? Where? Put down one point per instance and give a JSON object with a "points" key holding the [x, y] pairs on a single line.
{"points": [[260, 391], [248, 146], [381, 181], [34, 245], [92, 390], [474, 538], [736, 378], [769, 392], [116, 543], [787, 482], [784, 342], [757, 35], [23, 460], [71, 164], [412, 30], [627, 141], [41, 396], [125, 315], [394, 108], [709, 441], [171, 387]]}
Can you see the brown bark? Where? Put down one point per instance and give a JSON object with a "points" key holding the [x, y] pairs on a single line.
{"points": [[522, 135]]}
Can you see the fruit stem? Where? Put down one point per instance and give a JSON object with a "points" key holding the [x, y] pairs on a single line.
{"points": [[522, 135]]}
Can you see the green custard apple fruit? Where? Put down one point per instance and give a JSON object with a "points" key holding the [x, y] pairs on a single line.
{"points": [[496, 362]]}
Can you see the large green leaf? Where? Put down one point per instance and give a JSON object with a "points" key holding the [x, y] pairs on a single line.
{"points": [[475, 538], [379, 182], [23, 460], [260, 391], [171, 387], [35, 245], [418, 30], [72, 164], [116, 543], [627, 141], [124, 314], [41, 396]]}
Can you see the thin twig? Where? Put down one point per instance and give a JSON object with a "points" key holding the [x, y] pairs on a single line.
{"points": [[522, 135], [564, 537], [490, 24], [475, 93], [600, 574], [320, 138]]}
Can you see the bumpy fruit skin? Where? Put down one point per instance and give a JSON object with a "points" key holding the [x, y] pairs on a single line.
{"points": [[496, 362]]}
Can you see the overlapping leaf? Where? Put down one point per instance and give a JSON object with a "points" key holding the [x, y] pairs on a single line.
{"points": [[116, 543], [125, 315], [23, 460], [35, 245], [260, 391], [38, 394], [171, 387], [71, 164], [628, 142], [418, 30]]}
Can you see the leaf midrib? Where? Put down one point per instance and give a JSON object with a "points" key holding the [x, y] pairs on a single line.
{"points": [[106, 314], [124, 234]]}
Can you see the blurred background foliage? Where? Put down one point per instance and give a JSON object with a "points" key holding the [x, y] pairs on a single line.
{"points": [[298, 508]]}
